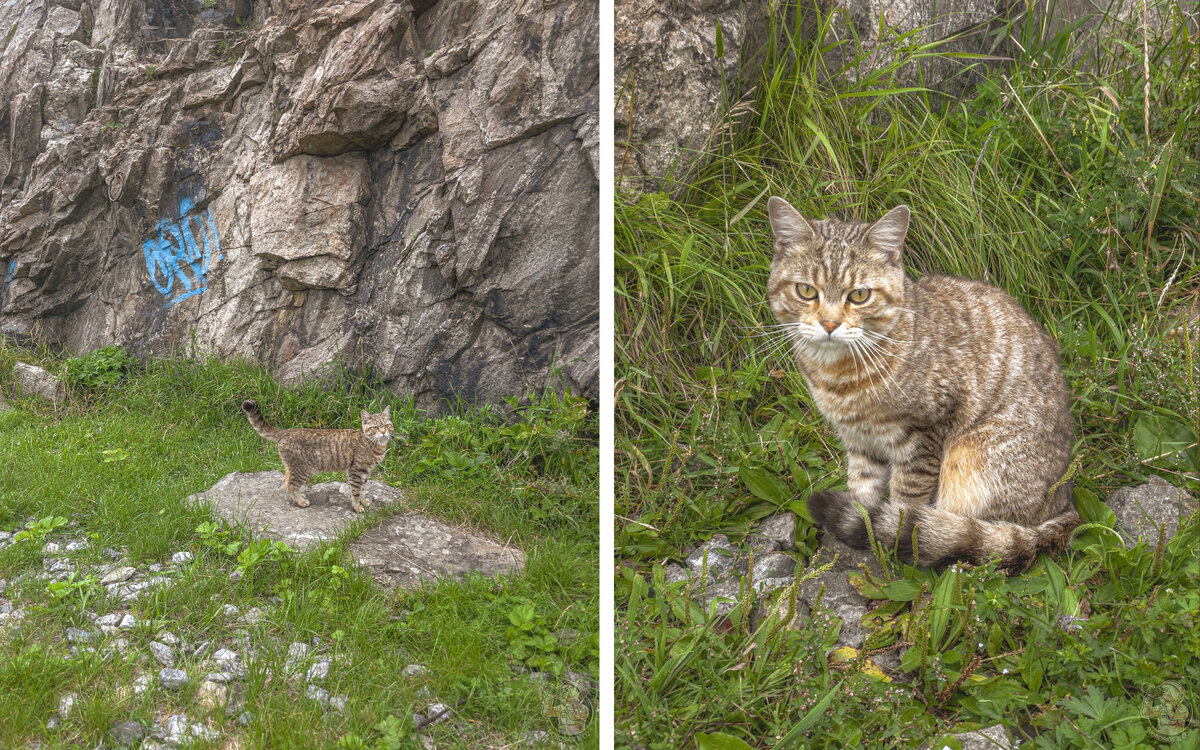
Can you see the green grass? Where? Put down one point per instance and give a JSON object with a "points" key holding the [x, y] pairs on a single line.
{"points": [[1044, 178], [121, 455]]}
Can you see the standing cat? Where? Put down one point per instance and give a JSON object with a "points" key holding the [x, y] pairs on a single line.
{"points": [[305, 452], [943, 390]]}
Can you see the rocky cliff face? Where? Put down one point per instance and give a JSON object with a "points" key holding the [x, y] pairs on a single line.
{"points": [[405, 186]]}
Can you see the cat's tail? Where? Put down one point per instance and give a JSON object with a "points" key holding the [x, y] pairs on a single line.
{"points": [[257, 422], [942, 537]]}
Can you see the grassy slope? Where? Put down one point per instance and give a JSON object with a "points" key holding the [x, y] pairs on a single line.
{"points": [[1046, 180], [121, 463]]}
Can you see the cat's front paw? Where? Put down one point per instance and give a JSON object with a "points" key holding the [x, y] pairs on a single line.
{"points": [[301, 502], [366, 501], [826, 507], [358, 508]]}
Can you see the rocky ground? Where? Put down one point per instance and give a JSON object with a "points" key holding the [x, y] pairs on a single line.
{"points": [[719, 573], [200, 677]]}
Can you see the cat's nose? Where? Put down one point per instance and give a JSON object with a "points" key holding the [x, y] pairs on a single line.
{"points": [[829, 325]]}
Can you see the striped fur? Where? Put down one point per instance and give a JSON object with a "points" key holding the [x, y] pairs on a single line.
{"points": [[305, 452], [947, 395]]}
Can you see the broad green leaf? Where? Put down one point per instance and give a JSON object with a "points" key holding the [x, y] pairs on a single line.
{"points": [[1092, 510], [764, 486], [1162, 441], [902, 590], [720, 741], [943, 601]]}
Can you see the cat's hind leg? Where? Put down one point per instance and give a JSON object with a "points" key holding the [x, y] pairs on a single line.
{"points": [[293, 482]]}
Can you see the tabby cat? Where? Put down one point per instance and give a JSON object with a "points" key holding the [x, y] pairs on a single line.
{"points": [[944, 391], [305, 452]]}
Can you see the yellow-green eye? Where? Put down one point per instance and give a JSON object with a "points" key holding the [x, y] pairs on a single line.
{"points": [[806, 292], [859, 296]]}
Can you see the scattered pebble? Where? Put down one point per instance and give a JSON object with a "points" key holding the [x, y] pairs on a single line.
{"points": [[162, 653], [228, 661], [180, 729], [218, 677], [127, 733], [117, 575], [51, 548], [211, 694], [338, 703], [297, 652], [111, 554], [318, 672], [53, 722], [142, 684], [75, 635], [65, 704], [319, 694], [415, 670], [78, 545], [170, 639], [245, 718], [438, 712], [252, 617], [128, 622], [156, 568], [534, 737], [109, 620], [181, 557], [231, 610], [172, 679]]}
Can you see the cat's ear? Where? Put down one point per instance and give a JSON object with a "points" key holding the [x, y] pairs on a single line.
{"points": [[888, 233], [362, 416], [387, 412], [788, 226]]}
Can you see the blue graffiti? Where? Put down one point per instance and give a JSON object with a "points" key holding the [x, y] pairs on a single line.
{"points": [[177, 263]]}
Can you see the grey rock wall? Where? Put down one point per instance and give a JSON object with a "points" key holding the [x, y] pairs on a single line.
{"points": [[408, 187]]}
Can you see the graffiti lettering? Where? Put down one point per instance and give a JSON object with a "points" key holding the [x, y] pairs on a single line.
{"points": [[177, 262]]}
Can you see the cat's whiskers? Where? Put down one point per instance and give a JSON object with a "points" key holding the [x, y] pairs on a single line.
{"points": [[877, 351], [859, 346], [872, 342]]}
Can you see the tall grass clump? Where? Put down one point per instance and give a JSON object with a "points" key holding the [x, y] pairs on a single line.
{"points": [[1068, 175]]}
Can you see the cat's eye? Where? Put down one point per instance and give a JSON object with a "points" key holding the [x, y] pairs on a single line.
{"points": [[806, 292], [859, 296]]}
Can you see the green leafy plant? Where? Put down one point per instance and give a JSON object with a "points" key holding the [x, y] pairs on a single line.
{"points": [[530, 641], [99, 369], [37, 531], [75, 592]]}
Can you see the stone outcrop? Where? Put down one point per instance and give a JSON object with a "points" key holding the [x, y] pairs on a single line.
{"points": [[401, 551], [404, 187]]}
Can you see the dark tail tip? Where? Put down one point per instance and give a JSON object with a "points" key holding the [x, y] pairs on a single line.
{"points": [[249, 406]]}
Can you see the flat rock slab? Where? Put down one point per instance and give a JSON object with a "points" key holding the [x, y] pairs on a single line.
{"points": [[258, 501], [402, 551]]}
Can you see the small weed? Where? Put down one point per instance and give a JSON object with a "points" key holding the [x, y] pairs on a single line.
{"points": [[75, 593], [99, 369], [37, 531]]}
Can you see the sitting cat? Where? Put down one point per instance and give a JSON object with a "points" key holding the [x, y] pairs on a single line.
{"points": [[305, 452], [943, 390]]}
